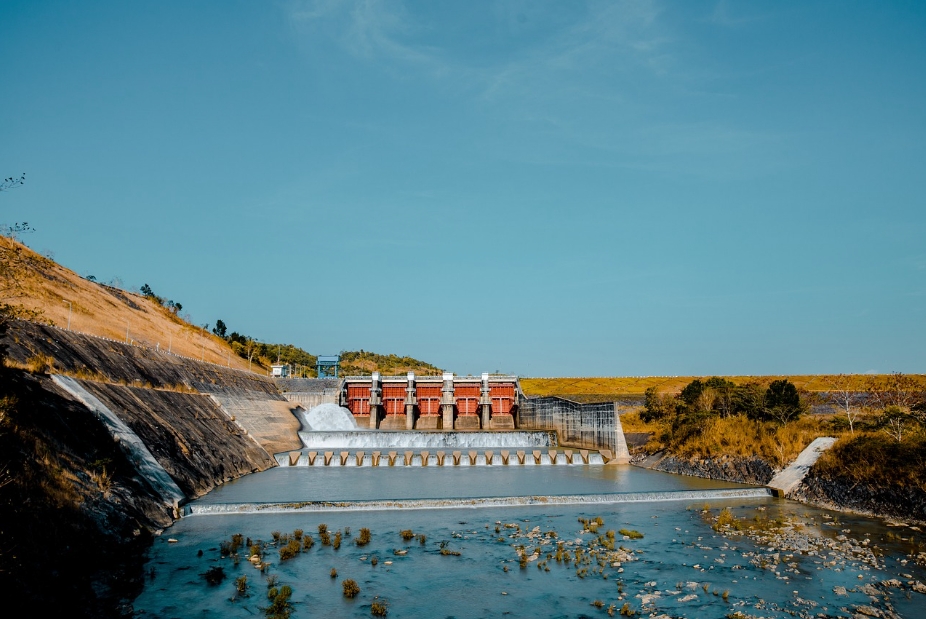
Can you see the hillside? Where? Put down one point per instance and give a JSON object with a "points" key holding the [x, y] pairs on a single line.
{"points": [[55, 294], [42, 290], [615, 388]]}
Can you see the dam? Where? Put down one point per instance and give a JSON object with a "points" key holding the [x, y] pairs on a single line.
{"points": [[445, 402]]}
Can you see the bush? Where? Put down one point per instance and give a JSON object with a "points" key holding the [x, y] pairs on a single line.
{"points": [[364, 538], [407, 534], [351, 588], [632, 534], [214, 575], [379, 608], [290, 550], [280, 606]]}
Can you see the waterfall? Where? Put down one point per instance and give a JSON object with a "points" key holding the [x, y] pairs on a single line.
{"points": [[327, 417], [600, 499], [145, 463], [359, 439]]}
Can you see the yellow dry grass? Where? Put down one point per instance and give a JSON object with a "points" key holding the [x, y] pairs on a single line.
{"points": [[736, 436], [95, 309], [613, 386]]}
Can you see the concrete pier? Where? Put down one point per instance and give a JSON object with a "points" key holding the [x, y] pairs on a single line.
{"points": [[791, 477]]}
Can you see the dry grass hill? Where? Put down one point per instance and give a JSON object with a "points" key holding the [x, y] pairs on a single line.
{"points": [[54, 294]]}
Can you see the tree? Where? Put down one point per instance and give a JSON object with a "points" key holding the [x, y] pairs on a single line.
{"points": [[783, 402], [657, 406], [895, 422], [896, 389], [749, 400], [11, 182], [220, 329], [845, 398]]}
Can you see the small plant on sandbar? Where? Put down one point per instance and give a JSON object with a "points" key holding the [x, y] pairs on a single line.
{"points": [[632, 534]]}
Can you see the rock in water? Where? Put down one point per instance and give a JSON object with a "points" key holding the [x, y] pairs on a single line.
{"points": [[330, 417]]}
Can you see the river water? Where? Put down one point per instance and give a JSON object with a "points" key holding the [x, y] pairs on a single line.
{"points": [[681, 567]]}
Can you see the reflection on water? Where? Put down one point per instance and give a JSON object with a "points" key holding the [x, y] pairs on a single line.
{"points": [[682, 566]]}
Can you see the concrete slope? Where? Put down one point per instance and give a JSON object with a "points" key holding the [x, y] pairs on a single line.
{"points": [[77, 354], [197, 444], [791, 477], [270, 422]]}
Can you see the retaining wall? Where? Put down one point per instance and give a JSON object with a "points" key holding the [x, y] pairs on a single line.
{"points": [[592, 426]]}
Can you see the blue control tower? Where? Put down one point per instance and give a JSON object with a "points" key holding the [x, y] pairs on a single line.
{"points": [[328, 365]]}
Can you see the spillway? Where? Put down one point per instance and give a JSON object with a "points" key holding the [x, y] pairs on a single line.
{"points": [[381, 440]]}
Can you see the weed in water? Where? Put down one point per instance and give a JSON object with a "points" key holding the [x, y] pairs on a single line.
{"points": [[379, 608], [280, 606], [351, 588], [214, 575], [241, 586], [334, 573], [364, 538], [407, 534]]}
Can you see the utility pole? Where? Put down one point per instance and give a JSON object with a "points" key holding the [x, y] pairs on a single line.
{"points": [[126, 331], [170, 343], [69, 313], [202, 331]]}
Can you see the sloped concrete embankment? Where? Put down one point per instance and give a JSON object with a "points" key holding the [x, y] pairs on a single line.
{"points": [[117, 362], [250, 400], [188, 434]]}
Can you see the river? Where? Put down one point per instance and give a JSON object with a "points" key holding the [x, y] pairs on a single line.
{"points": [[796, 560]]}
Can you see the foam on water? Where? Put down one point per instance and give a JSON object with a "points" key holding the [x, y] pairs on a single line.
{"points": [[327, 417], [451, 503], [359, 439]]}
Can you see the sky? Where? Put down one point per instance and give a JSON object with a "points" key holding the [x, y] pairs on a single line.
{"points": [[543, 188]]}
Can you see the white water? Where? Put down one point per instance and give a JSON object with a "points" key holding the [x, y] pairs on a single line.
{"points": [[578, 499], [417, 460], [135, 449], [385, 441], [327, 417]]}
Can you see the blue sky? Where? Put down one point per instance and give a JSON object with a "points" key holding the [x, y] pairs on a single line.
{"points": [[546, 188]]}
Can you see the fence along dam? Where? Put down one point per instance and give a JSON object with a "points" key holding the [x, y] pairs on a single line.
{"points": [[452, 421]]}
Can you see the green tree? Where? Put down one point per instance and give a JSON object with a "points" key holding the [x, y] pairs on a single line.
{"points": [[657, 406], [783, 402], [220, 328]]}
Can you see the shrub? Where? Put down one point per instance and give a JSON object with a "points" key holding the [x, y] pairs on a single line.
{"points": [[407, 534], [280, 606], [337, 540], [214, 575], [241, 585], [334, 573], [297, 534], [351, 588], [379, 607], [290, 550], [422, 538], [631, 533], [364, 538], [307, 542]]}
